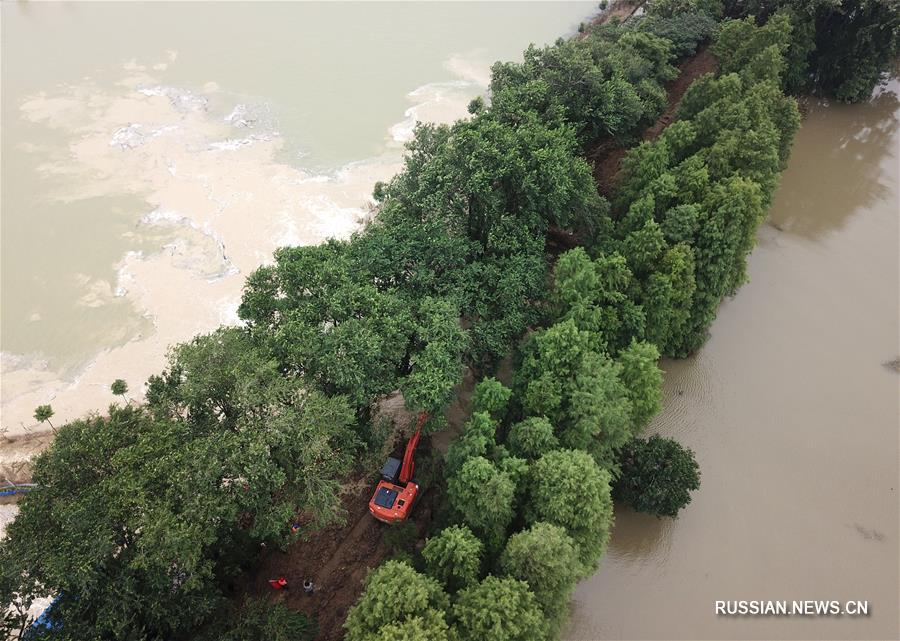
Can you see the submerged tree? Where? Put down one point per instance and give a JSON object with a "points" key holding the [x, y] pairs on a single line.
{"points": [[658, 475]]}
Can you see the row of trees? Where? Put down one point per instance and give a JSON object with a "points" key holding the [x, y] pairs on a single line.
{"points": [[839, 48], [531, 478]]}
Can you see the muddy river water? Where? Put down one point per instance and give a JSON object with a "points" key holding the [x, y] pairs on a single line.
{"points": [[156, 153], [792, 410]]}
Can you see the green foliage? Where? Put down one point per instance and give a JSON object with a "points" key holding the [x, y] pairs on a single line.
{"points": [[657, 476], [119, 387], [546, 558], [674, 8], [138, 516], [429, 626], [43, 413], [436, 363], [394, 595], [500, 609], [532, 438], [576, 388], [262, 619], [642, 379], [693, 198], [839, 48], [477, 439], [453, 557], [491, 396], [482, 496], [603, 83], [568, 489], [684, 30]]}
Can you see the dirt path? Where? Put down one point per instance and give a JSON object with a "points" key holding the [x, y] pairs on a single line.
{"points": [[336, 559], [607, 156]]}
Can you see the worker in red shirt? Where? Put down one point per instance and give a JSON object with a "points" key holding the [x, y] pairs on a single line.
{"points": [[279, 584]]}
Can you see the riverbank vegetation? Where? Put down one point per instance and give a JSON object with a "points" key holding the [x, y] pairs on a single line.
{"points": [[143, 518]]}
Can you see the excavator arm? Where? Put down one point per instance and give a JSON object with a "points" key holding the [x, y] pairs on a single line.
{"points": [[409, 462]]}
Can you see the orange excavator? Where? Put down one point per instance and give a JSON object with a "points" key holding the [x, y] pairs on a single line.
{"points": [[396, 491]]}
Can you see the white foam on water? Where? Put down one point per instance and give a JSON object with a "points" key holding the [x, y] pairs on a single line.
{"points": [[226, 200]]}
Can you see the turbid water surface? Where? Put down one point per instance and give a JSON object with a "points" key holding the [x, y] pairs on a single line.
{"points": [[153, 154]]}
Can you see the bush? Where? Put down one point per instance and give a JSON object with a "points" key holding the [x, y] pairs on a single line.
{"points": [[658, 475], [453, 557]]}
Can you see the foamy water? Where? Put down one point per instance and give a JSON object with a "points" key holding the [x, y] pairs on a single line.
{"points": [[215, 187]]}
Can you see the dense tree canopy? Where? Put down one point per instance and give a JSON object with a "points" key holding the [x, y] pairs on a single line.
{"points": [[839, 48], [500, 609], [657, 476], [399, 601], [546, 558], [568, 489], [453, 557]]}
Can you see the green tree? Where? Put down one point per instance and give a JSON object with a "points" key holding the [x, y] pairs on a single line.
{"points": [[546, 558], [576, 388], [482, 495], [260, 618], [395, 594], [492, 397], [477, 439], [657, 477], [500, 609], [321, 316], [642, 379], [120, 388], [532, 438], [436, 363], [453, 557], [430, 626], [44, 413], [568, 489]]}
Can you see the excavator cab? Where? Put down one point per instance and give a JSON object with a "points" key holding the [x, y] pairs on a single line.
{"points": [[396, 491]]}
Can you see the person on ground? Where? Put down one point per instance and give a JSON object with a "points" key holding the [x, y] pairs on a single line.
{"points": [[279, 584], [308, 587]]}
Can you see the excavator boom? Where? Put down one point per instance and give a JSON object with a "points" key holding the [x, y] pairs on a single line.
{"points": [[409, 462]]}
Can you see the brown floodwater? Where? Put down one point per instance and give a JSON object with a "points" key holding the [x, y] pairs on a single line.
{"points": [[792, 411]]}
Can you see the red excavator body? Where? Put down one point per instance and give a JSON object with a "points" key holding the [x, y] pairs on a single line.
{"points": [[396, 491]]}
